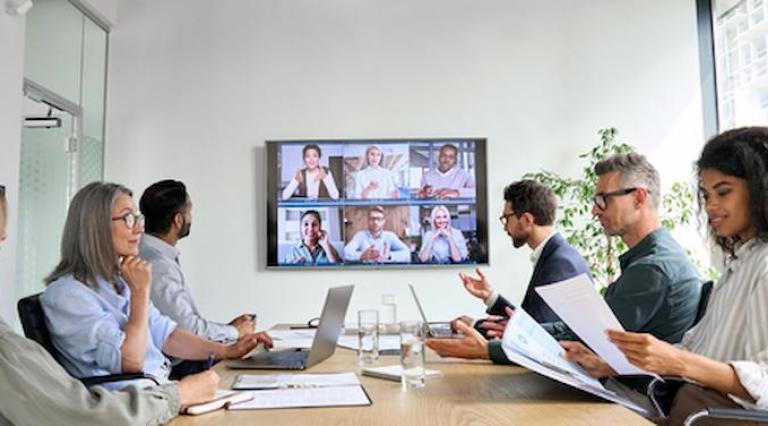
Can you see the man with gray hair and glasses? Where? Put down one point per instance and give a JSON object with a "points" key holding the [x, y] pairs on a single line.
{"points": [[658, 290]]}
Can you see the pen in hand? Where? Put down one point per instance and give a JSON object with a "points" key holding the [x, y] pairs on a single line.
{"points": [[253, 322], [209, 362]]}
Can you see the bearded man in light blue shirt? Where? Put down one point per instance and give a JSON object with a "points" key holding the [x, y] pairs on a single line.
{"points": [[376, 245]]}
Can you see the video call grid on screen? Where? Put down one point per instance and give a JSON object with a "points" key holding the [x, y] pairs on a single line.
{"points": [[376, 203]]}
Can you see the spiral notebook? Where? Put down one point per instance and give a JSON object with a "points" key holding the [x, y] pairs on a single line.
{"points": [[222, 399]]}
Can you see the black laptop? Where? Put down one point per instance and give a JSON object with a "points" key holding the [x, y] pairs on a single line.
{"points": [[323, 346]]}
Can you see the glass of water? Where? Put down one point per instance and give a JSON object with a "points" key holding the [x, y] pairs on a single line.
{"points": [[412, 361], [368, 336], [389, 313]]}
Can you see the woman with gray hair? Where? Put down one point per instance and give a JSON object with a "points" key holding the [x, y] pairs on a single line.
{"points": [[443, 243], [35, 388], [97, 303]]}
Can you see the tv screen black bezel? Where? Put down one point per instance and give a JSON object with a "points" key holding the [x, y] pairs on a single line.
{"points": [[272, 184]]}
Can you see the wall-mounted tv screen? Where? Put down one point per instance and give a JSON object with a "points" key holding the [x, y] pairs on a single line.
{"points": [[346, 203]]}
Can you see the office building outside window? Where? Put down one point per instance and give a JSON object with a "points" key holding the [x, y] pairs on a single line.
{"points": [[740, 32]]}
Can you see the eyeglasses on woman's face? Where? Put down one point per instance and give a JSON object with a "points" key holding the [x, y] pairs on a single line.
{"points": [[131, 219]]}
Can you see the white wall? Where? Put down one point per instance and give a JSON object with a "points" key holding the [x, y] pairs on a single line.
{"points": [[11, 85], [195, 90]]}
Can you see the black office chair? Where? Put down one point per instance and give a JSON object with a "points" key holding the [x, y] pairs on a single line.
{"points": [[739, 414], [662, 393], [706, 291], [33, 321]]}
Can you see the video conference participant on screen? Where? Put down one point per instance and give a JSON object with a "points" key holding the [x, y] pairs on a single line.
{"points": [[315, 246], [448, 180], [443, 243], [375, 244], [374, 181], [312, 180]]}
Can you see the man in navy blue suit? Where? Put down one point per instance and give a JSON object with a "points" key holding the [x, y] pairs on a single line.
{"points": [[528, 218]]}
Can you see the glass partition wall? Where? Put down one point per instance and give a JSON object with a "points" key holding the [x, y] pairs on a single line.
{"points": [[63, 137]]}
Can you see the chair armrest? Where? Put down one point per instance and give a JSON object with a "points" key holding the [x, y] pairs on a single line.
{"points": [[112, 378], [728, 413], [662, 392]]}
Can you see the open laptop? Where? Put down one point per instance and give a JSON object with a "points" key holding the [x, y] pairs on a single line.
{"points": [[439, 330], [323, 345]]}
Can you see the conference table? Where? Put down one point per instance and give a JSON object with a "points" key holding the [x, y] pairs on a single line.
{"points": [[469, 392]]}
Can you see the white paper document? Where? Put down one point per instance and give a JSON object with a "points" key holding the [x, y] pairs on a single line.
{"points": [[336, 396], [394, 372], [292, 334], [524, 336], [292, 339], [526, 343], [577, 303], [387, 342], [293, 381]]}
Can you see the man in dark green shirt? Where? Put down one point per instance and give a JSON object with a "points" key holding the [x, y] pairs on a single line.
{"points": [[659, 289]]}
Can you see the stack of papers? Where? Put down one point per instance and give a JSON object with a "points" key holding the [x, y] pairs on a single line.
{"points": [[524, 337], [300, 390], [571, 299], [528, 344]]}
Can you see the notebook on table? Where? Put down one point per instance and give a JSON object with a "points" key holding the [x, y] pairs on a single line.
{"points": [[222, 399], [301, 391]]}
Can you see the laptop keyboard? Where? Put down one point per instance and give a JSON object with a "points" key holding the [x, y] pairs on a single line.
{"points": [[289, 360]]}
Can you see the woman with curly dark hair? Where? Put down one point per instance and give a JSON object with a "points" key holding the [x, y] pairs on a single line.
{"points": [[726, 353]]}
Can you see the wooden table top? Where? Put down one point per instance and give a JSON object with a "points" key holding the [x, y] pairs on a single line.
{"points": [[468, 393]]}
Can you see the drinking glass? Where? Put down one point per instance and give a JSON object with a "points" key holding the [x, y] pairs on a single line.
{"points": [[412, 361], [368, 336]]}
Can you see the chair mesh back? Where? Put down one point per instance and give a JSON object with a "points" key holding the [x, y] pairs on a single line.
{"points": [[33, 321]]}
